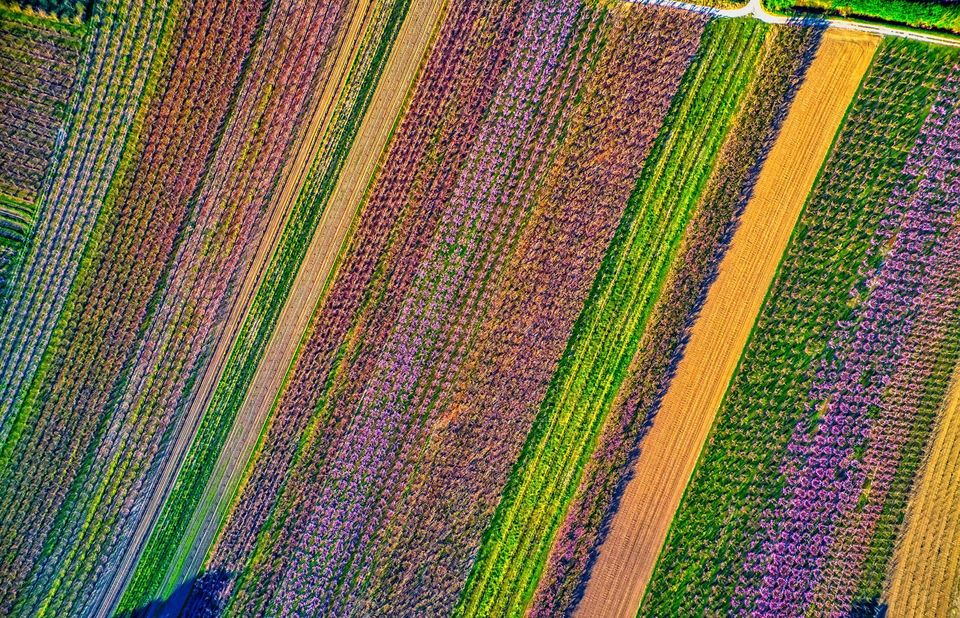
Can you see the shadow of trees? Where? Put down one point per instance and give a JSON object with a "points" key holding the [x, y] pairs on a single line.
{"points": [[200, 597]]}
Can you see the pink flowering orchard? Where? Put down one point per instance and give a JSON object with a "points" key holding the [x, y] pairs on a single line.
{"points": [[393, 307]]}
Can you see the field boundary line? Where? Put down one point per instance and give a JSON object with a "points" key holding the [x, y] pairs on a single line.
{"points": [[925, 578]]}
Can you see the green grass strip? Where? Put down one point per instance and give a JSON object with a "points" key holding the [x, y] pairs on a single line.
{"points": [[67, 14], [68, 22], [928, 14], [608, 331]]}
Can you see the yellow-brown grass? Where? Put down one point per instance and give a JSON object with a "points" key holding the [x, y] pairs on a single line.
{"points": [[926, 576], [670, 450]]}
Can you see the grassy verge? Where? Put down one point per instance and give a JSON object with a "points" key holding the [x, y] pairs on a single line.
{"points": [[929, 15]]}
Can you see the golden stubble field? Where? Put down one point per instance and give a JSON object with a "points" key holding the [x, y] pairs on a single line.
{"points": [[926, 576], [670, 450]]}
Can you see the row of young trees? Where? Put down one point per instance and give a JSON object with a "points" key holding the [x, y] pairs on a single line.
{"points": [[780, 67], [202, 213], [431, 293], [231, 210], [840, 464], [156, 569], [430, 355], [37, 69], [125, 48], [378, 229], [619, 310], [38, 64]]}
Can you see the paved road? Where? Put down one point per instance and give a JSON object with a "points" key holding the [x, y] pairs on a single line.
{"points": [[755, 9]]}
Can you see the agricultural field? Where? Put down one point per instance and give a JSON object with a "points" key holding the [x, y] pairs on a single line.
{"points": [[478, 308], [650, 281], [685, 415], [482, 271], [801, 488], [926, 580]]}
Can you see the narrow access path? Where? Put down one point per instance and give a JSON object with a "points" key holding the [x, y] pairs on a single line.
{"points": [[670, 450], [309, 143], [403, 65], [926, 575], [756, 10]]}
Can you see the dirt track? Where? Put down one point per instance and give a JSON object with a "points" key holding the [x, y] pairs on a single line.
{"points": [[309, 142], [670, 450], [398, 76], [926, 576]]}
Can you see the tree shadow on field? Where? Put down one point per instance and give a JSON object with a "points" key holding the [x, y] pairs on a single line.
{"points": [[200, 597], [868, 608]]}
